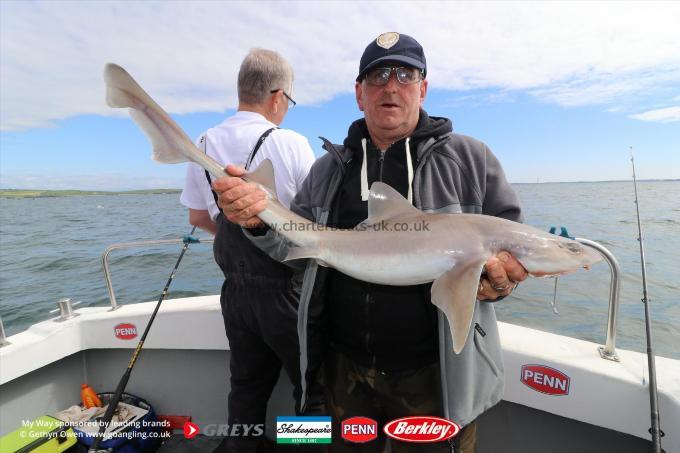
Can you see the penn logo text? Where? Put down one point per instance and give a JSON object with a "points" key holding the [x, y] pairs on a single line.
{"points": [[125, 331], [545, 379]]}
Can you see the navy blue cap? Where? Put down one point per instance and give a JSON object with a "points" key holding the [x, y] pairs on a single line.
{"points": [[392, 46]]}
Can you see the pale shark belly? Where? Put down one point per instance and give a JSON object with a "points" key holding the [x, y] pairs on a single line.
{"points": [[389, 268]]}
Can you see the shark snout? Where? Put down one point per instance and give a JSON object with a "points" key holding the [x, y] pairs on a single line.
{"points": [[592, 256]]}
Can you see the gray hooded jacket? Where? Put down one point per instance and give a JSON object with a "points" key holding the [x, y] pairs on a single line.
{"points": [[454, 174]]}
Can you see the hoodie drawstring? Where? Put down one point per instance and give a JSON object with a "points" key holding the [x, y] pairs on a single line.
{"points": [[409, 166], [364, 172]]}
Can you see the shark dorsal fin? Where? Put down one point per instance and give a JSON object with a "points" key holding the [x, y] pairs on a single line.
{"points": [[264, 176], [385, 203]]}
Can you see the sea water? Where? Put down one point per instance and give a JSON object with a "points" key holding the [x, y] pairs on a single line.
{"points": [[50, 248]]}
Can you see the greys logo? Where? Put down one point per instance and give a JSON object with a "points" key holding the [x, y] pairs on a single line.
{"points": [[234, 430]]}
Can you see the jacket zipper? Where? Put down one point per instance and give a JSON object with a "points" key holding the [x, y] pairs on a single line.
{"points": [[381, 160], [367, 339]]}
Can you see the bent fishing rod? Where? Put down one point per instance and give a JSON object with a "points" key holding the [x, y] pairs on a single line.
{"points": [[113, 402], [653, 393]]}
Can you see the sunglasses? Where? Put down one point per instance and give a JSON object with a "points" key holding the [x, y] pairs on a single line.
{"points": [[291, 102], [406, 75]]}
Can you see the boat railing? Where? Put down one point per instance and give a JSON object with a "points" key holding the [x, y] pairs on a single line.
{"points": [[128, 245], [608, 351]]}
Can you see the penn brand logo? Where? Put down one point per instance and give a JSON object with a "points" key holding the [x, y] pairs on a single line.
{"points": [[421, 429], [359, 429], [125, 331], [545, 379]]}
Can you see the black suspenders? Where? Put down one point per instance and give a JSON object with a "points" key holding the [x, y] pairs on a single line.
{"points": [[259, 143], [204, 146]]}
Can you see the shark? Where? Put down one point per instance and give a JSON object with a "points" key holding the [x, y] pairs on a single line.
{"points": [[396, 245]]}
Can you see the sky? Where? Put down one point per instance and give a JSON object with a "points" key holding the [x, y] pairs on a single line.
{"points": [[558, 90]]}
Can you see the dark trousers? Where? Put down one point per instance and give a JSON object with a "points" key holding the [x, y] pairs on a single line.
{"points": [[259, 302], [261, 326], [353, 390]]}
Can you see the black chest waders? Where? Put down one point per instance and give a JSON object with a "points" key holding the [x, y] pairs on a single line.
{"points": [[259, 305]]}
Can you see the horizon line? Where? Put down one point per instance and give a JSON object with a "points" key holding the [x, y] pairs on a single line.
{"points": [[175, 189]]}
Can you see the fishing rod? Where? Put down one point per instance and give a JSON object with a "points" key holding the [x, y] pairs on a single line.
{"points": [[113, 402], [653, 394]]}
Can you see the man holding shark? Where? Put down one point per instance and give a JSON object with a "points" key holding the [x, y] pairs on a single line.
{"points": [[390, 349]]}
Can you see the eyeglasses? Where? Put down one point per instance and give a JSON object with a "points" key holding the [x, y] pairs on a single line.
{"points": [[405, 75], [291, 102]]}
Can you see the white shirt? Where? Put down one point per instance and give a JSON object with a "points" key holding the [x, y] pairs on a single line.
{"points": [[231, 143]]}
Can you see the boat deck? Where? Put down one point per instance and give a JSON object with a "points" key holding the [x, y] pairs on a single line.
{"points": [[199, 444]]}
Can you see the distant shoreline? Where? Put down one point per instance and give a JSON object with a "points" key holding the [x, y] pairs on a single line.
{"points": [[38, 193], [598, 182]]}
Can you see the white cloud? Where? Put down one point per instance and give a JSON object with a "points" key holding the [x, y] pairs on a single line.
{"points": [[665, 115], [186, 54]]}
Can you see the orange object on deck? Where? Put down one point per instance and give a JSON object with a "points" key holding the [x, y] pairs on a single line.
{"points": [[89, 397]]}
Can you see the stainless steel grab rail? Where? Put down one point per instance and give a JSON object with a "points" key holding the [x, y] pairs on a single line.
{"points": [[127, 245], [609, 350]]}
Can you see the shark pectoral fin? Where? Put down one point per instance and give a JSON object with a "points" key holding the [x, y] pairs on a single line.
{"points": [[386, 203], [455, 293], [264, 176], [298, 253]]}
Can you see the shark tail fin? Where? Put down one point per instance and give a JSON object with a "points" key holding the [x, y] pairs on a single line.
{"points": [[123, 91], [118, 98], [264, 176]]}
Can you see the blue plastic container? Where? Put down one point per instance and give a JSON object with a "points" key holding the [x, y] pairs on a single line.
{"points": [[142, 436]]}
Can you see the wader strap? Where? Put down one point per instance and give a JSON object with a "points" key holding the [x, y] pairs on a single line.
{"points": [[203, 145], [259, 143]]}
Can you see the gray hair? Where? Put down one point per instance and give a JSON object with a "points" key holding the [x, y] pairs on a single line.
{"points": [[262, 71]]}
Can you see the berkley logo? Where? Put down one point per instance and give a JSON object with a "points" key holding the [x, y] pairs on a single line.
{"points": [[125, 331], [545, 379], [359, 429], [421, 429]]}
